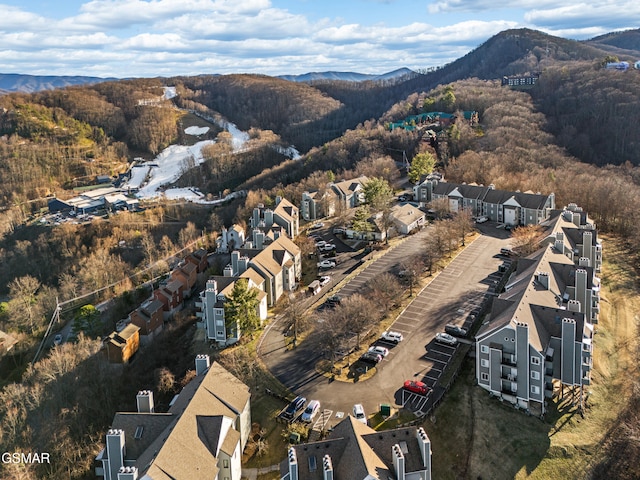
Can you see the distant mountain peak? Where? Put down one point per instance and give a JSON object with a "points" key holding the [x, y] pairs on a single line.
{"points": [[398, 74], [15, 82]]}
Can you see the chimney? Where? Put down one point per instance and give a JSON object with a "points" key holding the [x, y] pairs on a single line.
{"points": [[212, 286], [115, 453], [268, 217], [327, 468], [144, 400], [278, 200], [235, 256], [128, 473], [425, 449], [576, 219], [243, 264], [398, 461], [573, 305], [543, 279], [559, 243], [202, 364], [228, 271], [584, 262], [258, 239], [255, 220], [293, 464]]}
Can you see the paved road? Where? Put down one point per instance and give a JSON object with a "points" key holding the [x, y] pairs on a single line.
{"points": [[451, 295]]}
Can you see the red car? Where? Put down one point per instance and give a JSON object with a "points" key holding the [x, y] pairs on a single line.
{"points": [[416, 387]]}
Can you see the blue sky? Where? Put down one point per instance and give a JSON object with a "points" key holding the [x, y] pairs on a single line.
{"points": [[148, 38]]}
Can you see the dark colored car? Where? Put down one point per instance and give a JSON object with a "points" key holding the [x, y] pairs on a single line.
{"points": [[334, 300], [294, 407], [371, 357], [455, 330], [416, 387]]}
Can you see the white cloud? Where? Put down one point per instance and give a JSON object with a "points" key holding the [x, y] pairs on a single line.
{"points": [[126, 38]]}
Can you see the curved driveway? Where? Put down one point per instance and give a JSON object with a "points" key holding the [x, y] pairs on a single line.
{"points": [[451, 295]]}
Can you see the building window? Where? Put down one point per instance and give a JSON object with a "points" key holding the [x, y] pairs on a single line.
{"points": [[484, 363], [225, 463], [535, 390], [484, 349], [535, 360], [535, 375], [484, 377]]}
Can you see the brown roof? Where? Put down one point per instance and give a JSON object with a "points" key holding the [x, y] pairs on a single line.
{"points": [[358, 452], [188, 446], [120, 338], [524, 293]]}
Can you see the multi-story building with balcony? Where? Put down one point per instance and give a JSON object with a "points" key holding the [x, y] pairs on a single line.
{"points": [[540, 330]]}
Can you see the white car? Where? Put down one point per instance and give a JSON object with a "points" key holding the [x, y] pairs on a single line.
{"points": [[327, 247], [326, 264], [482, 219], [379, 350], [310, 411], [316, 226], [358, 413], [324, 280], [393, 337], [446, 339], [320, 243]]}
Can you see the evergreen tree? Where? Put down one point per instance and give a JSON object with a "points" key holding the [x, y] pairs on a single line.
{"points": [[241, 309], [422, 164]]}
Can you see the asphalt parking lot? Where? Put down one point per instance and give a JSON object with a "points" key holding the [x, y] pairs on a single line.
{"points": [[452, 297]]}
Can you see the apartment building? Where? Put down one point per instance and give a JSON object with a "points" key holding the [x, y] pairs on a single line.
{"points": [[503, 206], [354, 451], [540, 330], [202, 435]]}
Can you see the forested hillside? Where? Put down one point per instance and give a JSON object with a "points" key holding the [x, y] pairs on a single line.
{"points": [[590, 110]]}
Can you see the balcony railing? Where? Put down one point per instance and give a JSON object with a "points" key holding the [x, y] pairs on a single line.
{"points": [[509, 360]]}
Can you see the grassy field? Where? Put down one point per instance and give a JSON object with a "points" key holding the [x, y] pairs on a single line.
{"points": [[474, 436]]}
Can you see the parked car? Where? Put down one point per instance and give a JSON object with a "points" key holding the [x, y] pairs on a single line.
{"points": [[506, 251], [320, 243], [339, 230], [455, 330], [324, 280], [379, 350], [310, 411], [326, 264], [315, 238], [482, 219], [334, 300], [57, 340], [508, 227], [403, 198], [371, 357], [393, 337], [294, 407], [416, 387], [327, 247], [358, 413], [446, 339], [317, 225]]}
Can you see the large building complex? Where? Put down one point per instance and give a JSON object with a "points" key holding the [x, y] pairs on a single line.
{"points": [[541, 328], [503, 206]]}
